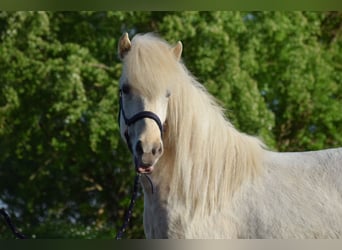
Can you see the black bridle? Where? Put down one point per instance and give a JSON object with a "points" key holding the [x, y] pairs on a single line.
{"points": [[129, 122], [138, 116]]}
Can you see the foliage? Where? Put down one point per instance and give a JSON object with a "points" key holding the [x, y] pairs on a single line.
{"points": [[64, 171]]}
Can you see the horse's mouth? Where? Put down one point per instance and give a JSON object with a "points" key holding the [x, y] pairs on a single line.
{"points": [[143, 168]]}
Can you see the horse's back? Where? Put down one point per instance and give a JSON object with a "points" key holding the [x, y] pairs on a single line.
{"points": [[322, 166], [326, 157], [298, 195]]}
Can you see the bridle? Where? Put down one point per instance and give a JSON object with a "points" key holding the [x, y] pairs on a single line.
{"points": [[138, 116], [128, 122]]}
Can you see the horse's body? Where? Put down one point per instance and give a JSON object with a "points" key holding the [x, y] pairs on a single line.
{"points": [[211, 181], [297, 195]]}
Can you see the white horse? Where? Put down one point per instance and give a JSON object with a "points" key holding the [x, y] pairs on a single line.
{"points": [[209, 180]]}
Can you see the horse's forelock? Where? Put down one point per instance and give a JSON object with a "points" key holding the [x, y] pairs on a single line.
{"points": [[150, 64]]}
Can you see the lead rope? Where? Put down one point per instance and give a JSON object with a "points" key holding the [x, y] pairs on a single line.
{"points": [[9, 223], [131, 205], [130, 208]]}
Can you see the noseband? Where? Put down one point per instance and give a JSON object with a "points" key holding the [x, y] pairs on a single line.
{"points": [[138, 116]]}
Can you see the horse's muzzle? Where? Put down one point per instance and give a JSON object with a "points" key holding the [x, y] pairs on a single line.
{"points": [[145, 159], [143, 168]]}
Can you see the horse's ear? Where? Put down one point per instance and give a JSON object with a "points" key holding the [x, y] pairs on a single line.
{"points": [[177, 50], [124, 45]]}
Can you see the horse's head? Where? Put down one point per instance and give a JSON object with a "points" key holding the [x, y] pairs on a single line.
{"points": [[145, 91]]}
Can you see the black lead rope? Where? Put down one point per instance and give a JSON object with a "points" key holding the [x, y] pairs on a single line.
{"points": [[130, 208], [9, 223], [131, 204]]}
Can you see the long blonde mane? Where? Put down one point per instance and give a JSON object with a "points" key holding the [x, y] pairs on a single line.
{"points": [[206, 159]]}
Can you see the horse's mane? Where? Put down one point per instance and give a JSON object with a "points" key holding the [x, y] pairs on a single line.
{"points": [[206, 159]]}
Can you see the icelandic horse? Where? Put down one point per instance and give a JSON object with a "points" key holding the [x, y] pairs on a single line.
{"points": [[210, 180]]}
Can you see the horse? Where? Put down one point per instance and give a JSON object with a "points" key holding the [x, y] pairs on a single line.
{"points": [[209, 180]]}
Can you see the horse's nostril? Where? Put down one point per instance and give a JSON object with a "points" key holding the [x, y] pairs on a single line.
{"points": [[154, 151], [138, 148], [157, 150]]}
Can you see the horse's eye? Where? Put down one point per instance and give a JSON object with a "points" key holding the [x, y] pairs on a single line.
{"points": [[125, 89], [168, 93]]}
